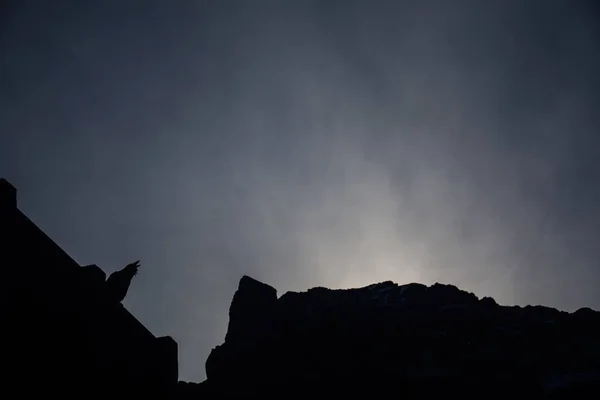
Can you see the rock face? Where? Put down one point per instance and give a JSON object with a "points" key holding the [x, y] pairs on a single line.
{"points": [[251, 311], [407, 340]]}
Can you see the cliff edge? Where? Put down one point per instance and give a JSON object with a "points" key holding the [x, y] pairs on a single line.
{"points": [[409, 340]]}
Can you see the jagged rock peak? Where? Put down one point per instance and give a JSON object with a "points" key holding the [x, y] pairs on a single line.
{"points": [[251, 308], [249, 285], [381, 285]]}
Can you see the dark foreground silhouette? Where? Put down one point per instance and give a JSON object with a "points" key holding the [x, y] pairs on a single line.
{"points": [[406, 341], [66, 334]]}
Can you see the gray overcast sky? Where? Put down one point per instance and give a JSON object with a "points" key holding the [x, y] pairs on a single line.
{"points": [[308, 143]]}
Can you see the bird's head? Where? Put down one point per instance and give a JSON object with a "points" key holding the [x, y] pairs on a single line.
{"points": [[132, 268]]}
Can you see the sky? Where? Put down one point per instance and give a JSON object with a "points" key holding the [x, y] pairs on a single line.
{"points": [[308, 143]]}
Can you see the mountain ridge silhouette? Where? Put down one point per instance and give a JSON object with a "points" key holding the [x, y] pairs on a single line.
{"points": [[412, 339]]}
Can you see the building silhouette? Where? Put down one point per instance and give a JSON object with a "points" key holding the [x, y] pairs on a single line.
{"points": [[63, 334]]}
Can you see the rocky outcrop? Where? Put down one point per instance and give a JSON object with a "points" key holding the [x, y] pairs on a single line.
{"points": [[251, 311], [409, 340]]}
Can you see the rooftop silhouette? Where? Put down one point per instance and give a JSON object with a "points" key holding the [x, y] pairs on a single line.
{"points": [[65, 328]]}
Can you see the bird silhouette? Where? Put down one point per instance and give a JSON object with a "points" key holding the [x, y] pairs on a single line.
{"points": [[118, 282]]}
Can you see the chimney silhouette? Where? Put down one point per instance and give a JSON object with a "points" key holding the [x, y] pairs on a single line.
{"points": [[8, 195]]}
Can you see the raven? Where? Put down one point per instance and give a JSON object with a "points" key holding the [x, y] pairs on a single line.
{"points": [[118, 282]]}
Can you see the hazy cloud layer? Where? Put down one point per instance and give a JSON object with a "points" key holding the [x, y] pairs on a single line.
{"points": [[332, 143]]}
